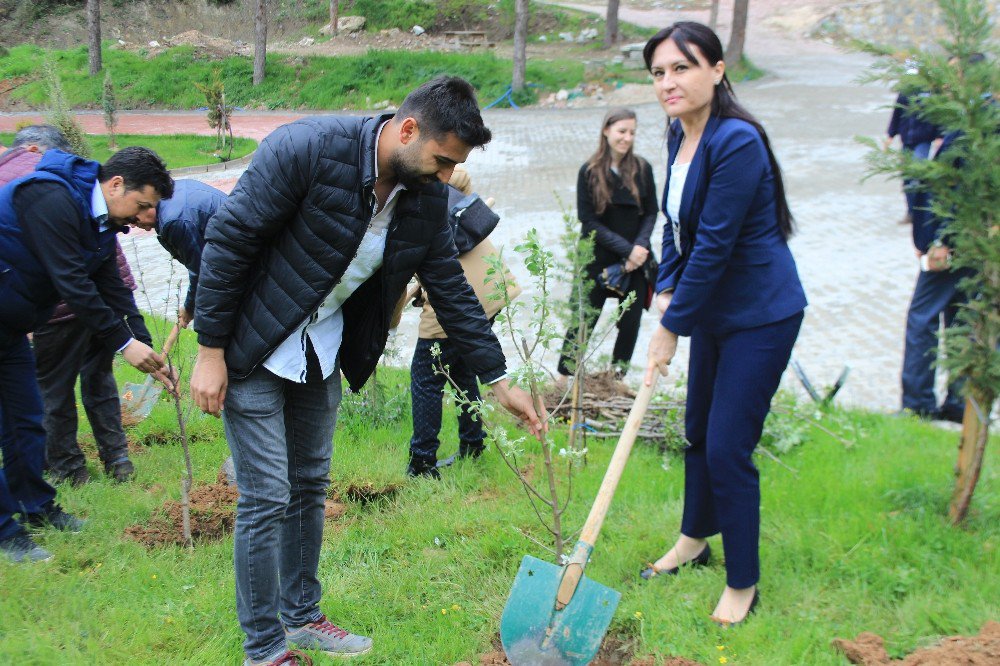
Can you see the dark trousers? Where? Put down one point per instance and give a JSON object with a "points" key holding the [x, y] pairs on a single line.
{"points": [[628, 325], [732, 378], [935, 294], [425, 396], [22, 488], [63, 352]]}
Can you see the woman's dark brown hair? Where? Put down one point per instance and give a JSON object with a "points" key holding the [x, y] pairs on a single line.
{"points": [[630, 170]]}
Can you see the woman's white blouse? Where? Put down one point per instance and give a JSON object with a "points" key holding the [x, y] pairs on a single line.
{"points": [[675, 188]]}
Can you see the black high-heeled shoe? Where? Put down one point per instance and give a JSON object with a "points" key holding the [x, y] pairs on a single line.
{"points": [[699, 560], [725, 624]]}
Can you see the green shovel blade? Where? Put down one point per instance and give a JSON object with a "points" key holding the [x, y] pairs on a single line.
{"points": [[534, 633]]}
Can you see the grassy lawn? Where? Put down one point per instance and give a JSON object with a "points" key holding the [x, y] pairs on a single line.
{"points": [[855, 540], [177, 150]]}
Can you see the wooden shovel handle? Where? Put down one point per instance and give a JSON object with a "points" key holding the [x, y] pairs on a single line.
{"points": [[573, 571], [171, 339], [614, 474]]}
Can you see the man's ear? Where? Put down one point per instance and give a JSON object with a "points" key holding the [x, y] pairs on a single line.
{"points": [[408, 130], [114, 185]]}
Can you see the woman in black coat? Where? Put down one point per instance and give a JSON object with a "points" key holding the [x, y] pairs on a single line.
{"points": [[616, 201]]}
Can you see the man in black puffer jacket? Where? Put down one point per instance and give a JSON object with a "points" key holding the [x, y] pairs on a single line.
{"points": [[300, 272]]}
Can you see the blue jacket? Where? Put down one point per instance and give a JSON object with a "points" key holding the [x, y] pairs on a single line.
{"points": [[180, 226], [907, 123], [62, 256], [735, 270]]}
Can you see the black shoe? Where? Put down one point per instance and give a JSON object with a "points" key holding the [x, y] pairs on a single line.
{"points": [[54, 517], [121, 471], [76, 478], [464, 451], [700, 560], [423, 467], [471, 450], [953, 414], [21, 547]]}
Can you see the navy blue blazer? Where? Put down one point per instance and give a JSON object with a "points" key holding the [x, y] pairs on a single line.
{"points": [[735, 270]]}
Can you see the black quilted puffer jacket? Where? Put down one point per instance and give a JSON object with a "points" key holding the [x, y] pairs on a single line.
{"points": [[293, 223]]}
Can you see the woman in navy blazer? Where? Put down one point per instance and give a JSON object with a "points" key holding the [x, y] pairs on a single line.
{"points": [[727, 279]]}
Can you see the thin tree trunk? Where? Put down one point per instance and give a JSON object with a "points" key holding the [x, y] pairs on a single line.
{"points": [[260, 41], [713, 16], [334, 16], [971, 449], [611, 25], [734, 52], [94, 35], [520, 44]]}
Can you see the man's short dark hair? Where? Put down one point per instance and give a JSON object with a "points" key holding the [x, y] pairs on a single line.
{"points": [[43, 136], [447, 105], [139, 167]]}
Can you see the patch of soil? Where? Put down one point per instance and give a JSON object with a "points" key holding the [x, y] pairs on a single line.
{"points": [[213, 514], [614, 651], [983, 650], [365, 492], [334, 510]]}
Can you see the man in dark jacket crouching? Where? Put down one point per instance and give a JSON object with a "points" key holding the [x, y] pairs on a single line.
{"points": [[301, 269]]}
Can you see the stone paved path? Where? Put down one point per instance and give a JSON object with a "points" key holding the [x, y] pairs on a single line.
{"points": [[855, 260]]}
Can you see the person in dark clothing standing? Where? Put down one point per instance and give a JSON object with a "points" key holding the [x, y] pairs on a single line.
{"points": [[180, 227], [915, 134], [66, 349], [57, 236], [616, 201], [302, 268]]}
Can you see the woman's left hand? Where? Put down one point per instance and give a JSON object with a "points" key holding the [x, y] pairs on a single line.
{"points": [[662, 348]]}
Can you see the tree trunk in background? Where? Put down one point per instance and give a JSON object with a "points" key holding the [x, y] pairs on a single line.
{"points": [[520, 44], [713, 16], [734, 52], [971, 450], [611, 25], [334, 15], [259, 40], [94, 35]]}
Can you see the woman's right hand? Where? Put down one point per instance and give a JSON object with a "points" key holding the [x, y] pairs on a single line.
{"points": [[663, 301], [638, 255]]}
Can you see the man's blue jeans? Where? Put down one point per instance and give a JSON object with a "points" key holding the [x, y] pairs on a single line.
{"points": [[22, 488], [281, 437]]}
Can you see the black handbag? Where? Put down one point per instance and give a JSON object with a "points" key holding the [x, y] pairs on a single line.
{"points": [[471, 219]]}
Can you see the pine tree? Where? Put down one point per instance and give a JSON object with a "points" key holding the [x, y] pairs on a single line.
{"points": [[964, 186], [59, 113]]}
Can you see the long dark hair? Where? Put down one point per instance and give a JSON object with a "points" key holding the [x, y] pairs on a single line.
{"points": [[686, 34], [630, 169]]}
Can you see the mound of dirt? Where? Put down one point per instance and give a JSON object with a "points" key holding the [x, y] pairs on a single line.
{"points": [[213, 514], [983, 650], [614, 652], [205, 42]]}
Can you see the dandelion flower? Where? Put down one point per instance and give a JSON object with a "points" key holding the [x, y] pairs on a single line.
{"points": [[456, 607], [638, 615], [722, 660]]}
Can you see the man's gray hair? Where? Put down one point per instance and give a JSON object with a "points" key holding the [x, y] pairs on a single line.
{"points": [[43, 136]]}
